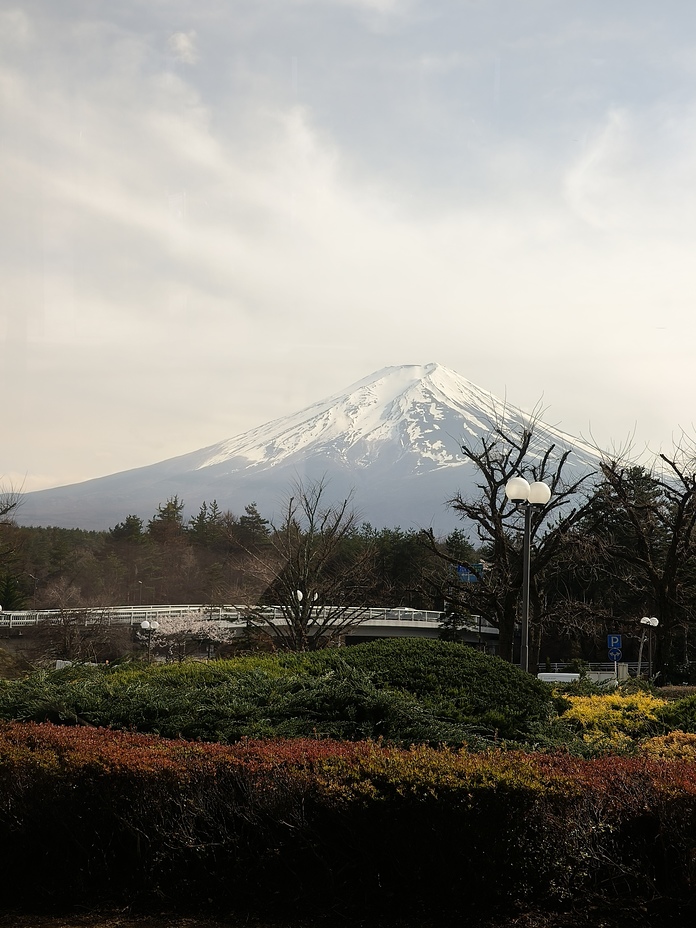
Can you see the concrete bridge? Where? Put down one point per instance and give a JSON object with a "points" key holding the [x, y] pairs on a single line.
{"points": [[373, 622]]}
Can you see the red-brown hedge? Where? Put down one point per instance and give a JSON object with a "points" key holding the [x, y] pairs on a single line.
{"points": [[90, 815]]}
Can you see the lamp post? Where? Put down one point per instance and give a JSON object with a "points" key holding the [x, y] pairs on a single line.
{"points": [[36, 583], [519, 490], [304, 612], [648, 623], [149, 627]]}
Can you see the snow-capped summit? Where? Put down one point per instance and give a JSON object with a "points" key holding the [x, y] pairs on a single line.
{"points": [[394, 437], [397, 411]]}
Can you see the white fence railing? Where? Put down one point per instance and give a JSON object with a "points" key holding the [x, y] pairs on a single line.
{"points": [[235, 615], [593, 666]]}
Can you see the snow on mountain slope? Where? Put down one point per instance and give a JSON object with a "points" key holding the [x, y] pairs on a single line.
{"points": [[394, 437], [421, 410]]}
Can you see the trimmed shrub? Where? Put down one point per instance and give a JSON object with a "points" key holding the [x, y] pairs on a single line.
{"points": [[614, 718], [454, 680], [677, 745], [676, 692], [404, 691], [88, 815], [680, 714]]}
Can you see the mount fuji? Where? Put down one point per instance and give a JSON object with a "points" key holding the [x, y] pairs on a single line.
{"points": [[393, 437]]}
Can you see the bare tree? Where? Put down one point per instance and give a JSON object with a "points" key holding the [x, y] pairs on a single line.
{"points": [[643, 525], [315, 569], [10, 501], [75, 631], [497, 523]]}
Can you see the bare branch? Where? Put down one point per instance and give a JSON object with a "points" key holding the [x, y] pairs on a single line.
{"points": [[320, 586]]}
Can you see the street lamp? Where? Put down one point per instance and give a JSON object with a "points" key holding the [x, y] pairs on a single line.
{"points": [[519, 490], [304, 613], [36, 583], [149, 628], [648, 623]]}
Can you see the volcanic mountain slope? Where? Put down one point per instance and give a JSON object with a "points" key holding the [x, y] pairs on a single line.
{"points": [[394, 437]]}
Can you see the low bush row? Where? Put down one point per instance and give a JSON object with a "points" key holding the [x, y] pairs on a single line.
{"points": [[404, 692], [401, 690], [89, 815]]}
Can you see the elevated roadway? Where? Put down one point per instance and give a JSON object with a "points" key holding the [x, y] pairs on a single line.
{"points": [[372, 622]]}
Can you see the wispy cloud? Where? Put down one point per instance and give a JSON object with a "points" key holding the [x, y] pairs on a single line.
{"points": [[173, 238], [638, 173], [183, 46], [15, 28]]}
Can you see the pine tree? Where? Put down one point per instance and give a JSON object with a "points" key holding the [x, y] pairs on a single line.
{"points": [[168, 522], [130, 530], [252, 528], [205, 527], [11, 596]]}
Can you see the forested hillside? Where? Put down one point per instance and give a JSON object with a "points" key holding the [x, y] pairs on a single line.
{"points": [[215, 557]]}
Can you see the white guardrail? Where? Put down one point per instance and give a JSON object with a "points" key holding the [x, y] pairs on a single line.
{"points": [[234, 615], [591, 666]]}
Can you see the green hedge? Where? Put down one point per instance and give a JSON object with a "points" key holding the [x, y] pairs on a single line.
{"points": [[680, 714], [451, 679], [404, 691]]}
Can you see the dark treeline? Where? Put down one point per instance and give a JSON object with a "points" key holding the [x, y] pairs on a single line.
{"points": [[210, 558]]}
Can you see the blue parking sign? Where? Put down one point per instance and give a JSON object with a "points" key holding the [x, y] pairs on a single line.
{"points": [[614, 641]]}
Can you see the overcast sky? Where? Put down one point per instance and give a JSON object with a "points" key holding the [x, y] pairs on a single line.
{"points": [[215, 212]]}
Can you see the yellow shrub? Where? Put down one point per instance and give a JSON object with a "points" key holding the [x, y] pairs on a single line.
{"points": [[615, 742], [677, 745], [633, 715]]}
